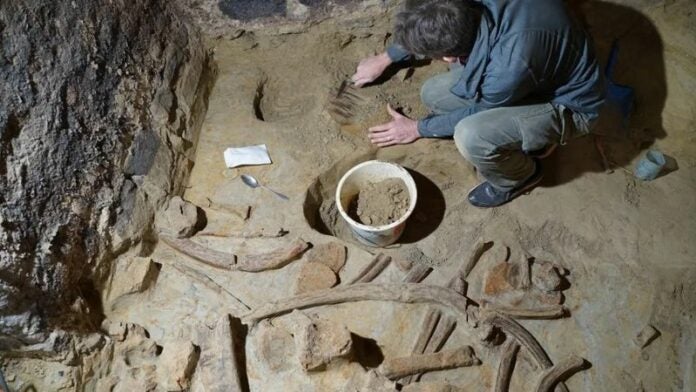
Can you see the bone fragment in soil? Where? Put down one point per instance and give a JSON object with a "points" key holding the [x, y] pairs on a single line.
{"points": [[542, 313], [239, 306], [506, 366], [372, 270], [219, 368], [417, 274], [525, 339], [478, 251], [432, 317], [561, 371], [458, 282], [249, 263], [442, 332], [244, 235], [449, 359], [213, 258], [394, 292]]}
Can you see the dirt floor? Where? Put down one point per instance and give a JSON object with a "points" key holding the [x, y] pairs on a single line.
{"points": [[627, 245]]}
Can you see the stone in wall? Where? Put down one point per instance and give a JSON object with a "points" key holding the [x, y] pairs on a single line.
{"points": [[101, 107]]}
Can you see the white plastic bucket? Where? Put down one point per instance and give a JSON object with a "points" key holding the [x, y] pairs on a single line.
{"points": [[356, 179]]}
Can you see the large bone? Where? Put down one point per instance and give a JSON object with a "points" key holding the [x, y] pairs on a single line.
{"points": [[506, 366], [213, 258], [239, 306], [561, 371], [458, 281], [372, 270], [546, 313], [430, 321], [442, 332], [398, 292], [449, 359], [525, 339], [274, 259], [228, 261], [417, 273], [219, 370]]}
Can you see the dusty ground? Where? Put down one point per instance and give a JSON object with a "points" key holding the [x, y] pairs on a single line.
{"points": [[628, 245]]}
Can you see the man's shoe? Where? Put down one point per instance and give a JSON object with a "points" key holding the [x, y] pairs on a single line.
{"points": [[486, 195]]}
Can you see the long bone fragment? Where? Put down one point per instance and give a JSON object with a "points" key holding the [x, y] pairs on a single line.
{"points": [[372, 270], [395, 368], [525, 339], [228, 261], [458, 281], [417, 273], [239, 306], [506, 366], [430, 321], [213, 258], [546, 313], [397, 292], [561, 371], [442, 332]]}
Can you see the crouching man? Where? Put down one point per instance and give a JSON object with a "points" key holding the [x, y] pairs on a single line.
{"points": [[523, 78]]}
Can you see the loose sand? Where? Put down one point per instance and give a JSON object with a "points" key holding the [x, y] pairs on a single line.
{"points": [[380, 203]]}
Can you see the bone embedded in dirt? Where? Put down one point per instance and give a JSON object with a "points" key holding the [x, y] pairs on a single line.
{"points": [[320, 341], [176, 364], [545, 276], [314, 276], [218, 370], [131, 275], [331, 254], [178, 218], [381, 203], [431, 387], [449, 359], [275, 346]]}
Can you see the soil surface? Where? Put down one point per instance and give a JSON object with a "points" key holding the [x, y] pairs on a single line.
{"points": [[381, 203]]}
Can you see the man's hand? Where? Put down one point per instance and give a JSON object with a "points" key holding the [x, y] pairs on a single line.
{"points": [[370, 69], [401, 130]]}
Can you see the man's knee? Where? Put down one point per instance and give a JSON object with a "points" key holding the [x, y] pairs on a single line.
{"points": [[430, 92], [468, 137]]}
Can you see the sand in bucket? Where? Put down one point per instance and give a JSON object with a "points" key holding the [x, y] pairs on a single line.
{"points": [[376, 198]]}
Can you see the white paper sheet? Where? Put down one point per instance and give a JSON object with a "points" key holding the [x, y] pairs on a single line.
{"points": [[246, 156]]}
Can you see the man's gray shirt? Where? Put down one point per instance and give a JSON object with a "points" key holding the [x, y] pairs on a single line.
{"points": [[526, 51]]}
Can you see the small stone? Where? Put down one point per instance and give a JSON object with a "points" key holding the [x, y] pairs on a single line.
{"points": [[646, 336], [131, 275], [545, 276], [116, 330], [176, 364], [179, 218], [297, 10], [332, 254], [313, 277]]}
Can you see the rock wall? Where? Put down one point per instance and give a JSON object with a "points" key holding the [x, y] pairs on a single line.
{"points": [[101, 104]]}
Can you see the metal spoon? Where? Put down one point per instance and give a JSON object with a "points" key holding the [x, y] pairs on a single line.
{"points": [[254, 183]]}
